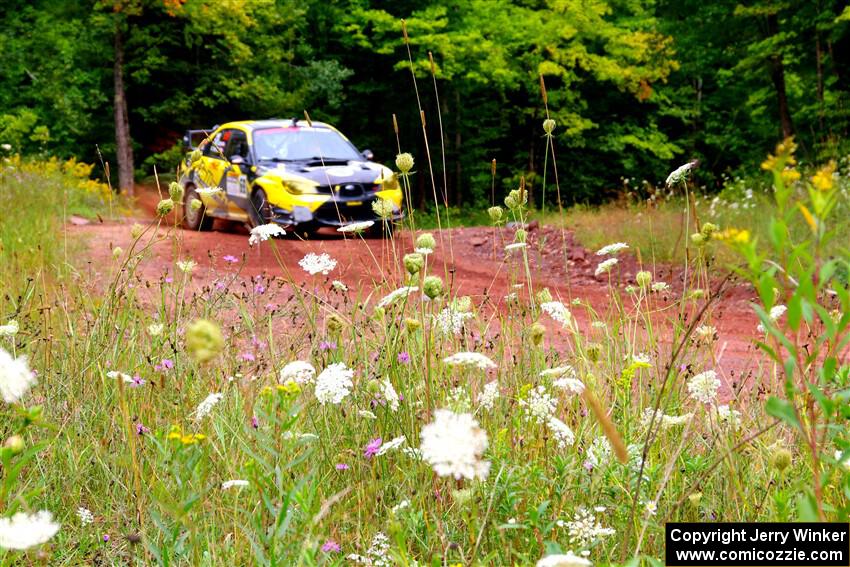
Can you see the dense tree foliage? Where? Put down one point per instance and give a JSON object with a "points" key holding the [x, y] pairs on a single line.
{"points": [[635, 86]]}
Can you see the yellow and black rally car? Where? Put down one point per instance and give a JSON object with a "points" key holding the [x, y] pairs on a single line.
{"points": [[293, 173]]}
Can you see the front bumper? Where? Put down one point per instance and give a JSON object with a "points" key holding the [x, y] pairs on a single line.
{"points": [[333, 213]]}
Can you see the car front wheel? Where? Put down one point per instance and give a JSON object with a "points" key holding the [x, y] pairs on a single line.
{"points": [[261, 210], [195, 218]]}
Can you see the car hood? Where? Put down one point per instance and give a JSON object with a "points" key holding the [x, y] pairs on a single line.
{"points": [[331, 174]]}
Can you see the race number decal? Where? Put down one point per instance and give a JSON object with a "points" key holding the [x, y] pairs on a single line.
{"points": [[237, 186]]}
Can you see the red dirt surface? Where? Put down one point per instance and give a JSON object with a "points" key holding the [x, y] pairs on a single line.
{"points": [[473, 260]]}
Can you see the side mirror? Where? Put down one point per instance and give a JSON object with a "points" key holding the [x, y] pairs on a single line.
{"points": [[367, 154]]}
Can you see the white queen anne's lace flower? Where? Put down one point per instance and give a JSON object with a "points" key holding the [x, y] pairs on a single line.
{"points": [[206, 406], [612, 249], [558, 311], [23, 530], [568, 559], [15, 377], [469, 359], [85, 516], [453, 445], [395, 295], [317, 263], [334, 384], [680, 174], [488, 396], [562, 433], [356, 226], [264, 232], [450, 321], [605, 266], [585, 529], [389, 394], [299, 371], [703, 387], [9, 329], [539, 406], [776, 312], [392, 445], [237, 483]]}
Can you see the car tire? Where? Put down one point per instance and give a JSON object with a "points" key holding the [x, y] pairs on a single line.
{"points": [[195, 219], [260, 209]]}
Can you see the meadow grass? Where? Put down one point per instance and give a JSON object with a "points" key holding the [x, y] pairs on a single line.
{"points": [[154, 395]]}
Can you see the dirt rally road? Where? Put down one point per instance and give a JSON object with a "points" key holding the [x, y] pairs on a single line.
{"points": [[472, 258]]}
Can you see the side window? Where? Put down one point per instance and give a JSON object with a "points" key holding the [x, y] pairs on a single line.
{"points": [[218, 144], [238, 145]]}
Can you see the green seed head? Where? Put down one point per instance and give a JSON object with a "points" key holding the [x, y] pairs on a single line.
{"points": [[404, 162], [204, 340], [414, 263], [383, 208], [136, 231], [426, 240], [175, 191], [699, 238], [643, 279], [413, 325], [433, 287], [781, 458], [537, 332], [462, 304], [117, 252], [195, 205], [15, 444], [164, 207], [549, 126], [520, 235], [694, 499], [708, 229], [594, 352], [335, 324], [495, 213], [544, 295]]}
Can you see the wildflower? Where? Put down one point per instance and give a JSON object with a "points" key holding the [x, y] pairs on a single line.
{"points": [[823, 180], [641, 360], [316, 263], [450, 321], [680, 175], [299, 371], [840, 458], [24, 530], [400, 506], [403, 357], [384, 208], [85, 516], [537, 334], [230, 259], [136, 230], [334, 384], [705, 334], [725, 414], [404, 162], [585, 529], [469, 359], [549, 126], [155, 329], [339, 286], [599, 452], [342, 467], [327, 345], [164, 207], [356, 226], [366, 414], [413, 263], [781, 458], [227, 484], [651, 508], [426, 240], [495, 213], [659, 287], [204, 340], [378, 553], [776, 312], [667, 421], [572, 386], [562, 433], [453, 445], [538, 405], [15, 377], [175, 191], [558, 371], [106, 538], [126, 378], [432, 286], [206, 406], [391, 445], [166, 364], [389, 394], [605, 267], [393, 296], [568, 559], [488, 396], [10, 329], [558, 311], [643, 279], [612, 249], [330, 546], [137, 381], [141, 429], [703, 387], [264, 232], [186, 266]]}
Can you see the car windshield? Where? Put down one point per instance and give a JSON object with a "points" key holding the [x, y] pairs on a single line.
{"points": [[302, 144]]}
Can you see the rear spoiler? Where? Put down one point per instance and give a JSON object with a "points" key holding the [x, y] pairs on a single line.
{"points": [[192, 138]]}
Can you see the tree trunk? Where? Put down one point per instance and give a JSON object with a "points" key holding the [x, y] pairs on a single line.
{"points": [[123, 143], [777, 74]]}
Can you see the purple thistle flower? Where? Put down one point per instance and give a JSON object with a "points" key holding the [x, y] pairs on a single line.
{"points": [[403, 357], [259, 289], [342, 467], [230, 259], [220, 285], [327, 345], [330, 546], [372, 447], [168, 279], [255, 422], [105, 538], [141, 429], [137, 381], [248, 356]]}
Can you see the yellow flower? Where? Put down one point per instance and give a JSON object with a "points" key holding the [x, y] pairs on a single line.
{"points": [[822, 180], [290, 387], [790, 175], [734, 235], [783, 156]]}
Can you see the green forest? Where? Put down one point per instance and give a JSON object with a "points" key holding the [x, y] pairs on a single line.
{"points": [[635, 86]]}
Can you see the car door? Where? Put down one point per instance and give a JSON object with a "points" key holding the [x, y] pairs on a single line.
{"points": [[235, 178]]}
